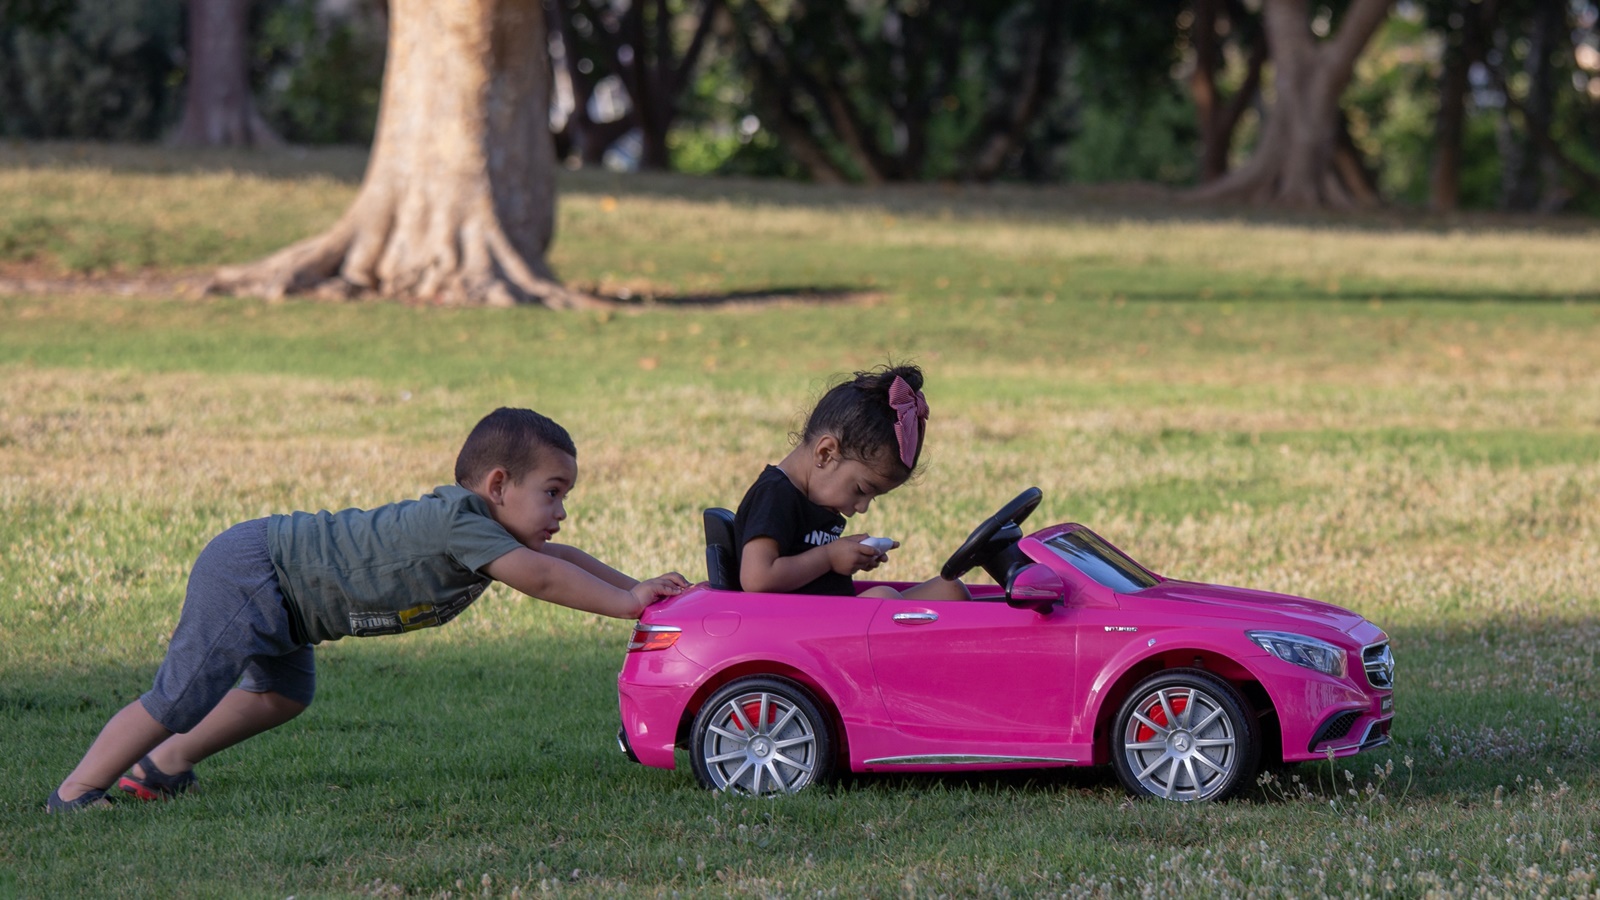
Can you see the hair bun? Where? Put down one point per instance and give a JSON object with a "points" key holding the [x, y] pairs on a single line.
{"points": [[881, 378]]}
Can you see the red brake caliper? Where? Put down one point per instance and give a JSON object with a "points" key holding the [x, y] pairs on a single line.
{"points": [[752, 712], [1155, 713]]}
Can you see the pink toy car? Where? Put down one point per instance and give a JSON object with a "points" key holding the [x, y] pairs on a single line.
{"points": [[1084, 658]]}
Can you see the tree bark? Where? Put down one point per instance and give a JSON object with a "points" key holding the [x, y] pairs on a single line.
{"points": [[1218, 119], [219, 110], [1297, 162], [1524, 167], [458, 203]]}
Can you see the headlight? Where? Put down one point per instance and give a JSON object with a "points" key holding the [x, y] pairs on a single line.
{"points": [[1302, 651]]}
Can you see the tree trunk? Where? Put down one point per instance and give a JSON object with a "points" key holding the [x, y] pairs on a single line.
{"points": [[219, 110], [1218, 120], [458, 203], [1298, 160], [1444, 181], [1524, 167]]}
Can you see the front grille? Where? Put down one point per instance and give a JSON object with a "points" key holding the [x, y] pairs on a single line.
{"points": [[1379, 663], [1335, 728], [1378, 736]]}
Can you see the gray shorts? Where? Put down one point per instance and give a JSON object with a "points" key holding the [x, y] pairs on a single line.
{"points": [[234, 630]]}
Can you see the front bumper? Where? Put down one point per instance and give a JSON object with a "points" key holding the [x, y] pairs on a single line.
{"points": [[1321, 716]]}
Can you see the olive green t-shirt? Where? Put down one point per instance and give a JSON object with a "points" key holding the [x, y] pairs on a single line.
{"points": [[408, 565]]}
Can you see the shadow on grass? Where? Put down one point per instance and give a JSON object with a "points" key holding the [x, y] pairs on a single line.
{"points": [[771, 296], [1356, 295]]}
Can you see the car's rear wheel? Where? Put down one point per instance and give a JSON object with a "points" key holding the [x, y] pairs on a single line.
{"points": [[761, 736], [1185, 734]]}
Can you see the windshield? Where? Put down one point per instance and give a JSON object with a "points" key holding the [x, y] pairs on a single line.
{"points": [[1092, 556]]}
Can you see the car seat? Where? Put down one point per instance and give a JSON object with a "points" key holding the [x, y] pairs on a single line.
{"points": [[722, 550]]}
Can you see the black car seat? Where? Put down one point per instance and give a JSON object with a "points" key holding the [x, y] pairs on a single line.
{"points": [[722, 550]]}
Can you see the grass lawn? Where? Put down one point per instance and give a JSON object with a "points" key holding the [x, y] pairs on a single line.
{"points": [[1402, 417]]}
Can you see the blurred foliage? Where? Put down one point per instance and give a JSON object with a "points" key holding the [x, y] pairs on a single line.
{"points": [[41, 15], [114, 69], [104, 70], [1155, 143], [1128, 118], [319, 74], [1390, 106]]}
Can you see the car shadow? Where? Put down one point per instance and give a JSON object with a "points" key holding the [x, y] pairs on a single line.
{"points": [[1073, 778]]}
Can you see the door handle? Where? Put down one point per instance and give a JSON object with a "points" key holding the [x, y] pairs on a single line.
{"points": [[916, 618]]}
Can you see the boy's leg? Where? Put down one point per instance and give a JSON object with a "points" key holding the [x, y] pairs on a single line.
{"points": [[130, 734], [274, 690], [232, 614], [241, 714]]}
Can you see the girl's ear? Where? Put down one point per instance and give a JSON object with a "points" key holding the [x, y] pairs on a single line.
{"points": [[825, 450]]}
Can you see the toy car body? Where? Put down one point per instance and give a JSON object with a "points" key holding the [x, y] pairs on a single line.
{"points": [[1083, 658]]}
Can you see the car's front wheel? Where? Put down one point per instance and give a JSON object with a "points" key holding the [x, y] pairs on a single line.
{"points": [[761, 736], [1185, 734]]}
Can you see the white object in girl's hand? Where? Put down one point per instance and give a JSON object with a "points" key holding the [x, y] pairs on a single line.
{"points": [[880, 544]]}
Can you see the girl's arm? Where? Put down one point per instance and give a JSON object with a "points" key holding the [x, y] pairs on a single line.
{"points": [[761, 569], [555, 580], [591, 565]]}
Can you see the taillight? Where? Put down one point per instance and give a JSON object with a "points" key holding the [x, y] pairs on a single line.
{"points": [[653, 637]]}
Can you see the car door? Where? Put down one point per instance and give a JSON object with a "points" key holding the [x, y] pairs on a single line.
{"points": [[975, 671]]}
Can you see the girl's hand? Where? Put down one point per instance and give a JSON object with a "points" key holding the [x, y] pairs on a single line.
{"points": [[650, 590], [848, 555]]}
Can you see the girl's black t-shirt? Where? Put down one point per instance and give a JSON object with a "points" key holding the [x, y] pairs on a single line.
{"points": [[774, 508]]}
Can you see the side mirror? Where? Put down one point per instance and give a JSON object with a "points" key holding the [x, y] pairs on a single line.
{"points": [[1036, 587]]}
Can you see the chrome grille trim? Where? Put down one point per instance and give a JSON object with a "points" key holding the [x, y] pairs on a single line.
{"points": [[1378, 660]]}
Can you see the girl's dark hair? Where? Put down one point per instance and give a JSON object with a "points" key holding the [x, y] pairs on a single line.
{"points": [[509, 439], [857, 413]]}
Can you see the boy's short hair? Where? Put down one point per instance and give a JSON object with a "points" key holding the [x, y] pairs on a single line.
{"points": [[509, 439]]}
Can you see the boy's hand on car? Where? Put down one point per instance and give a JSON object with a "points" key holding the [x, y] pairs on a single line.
{"points": [[848, 555], [652, 589]]}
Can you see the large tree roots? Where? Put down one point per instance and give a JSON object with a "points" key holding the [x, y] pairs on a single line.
{"points": [[467, 263]]}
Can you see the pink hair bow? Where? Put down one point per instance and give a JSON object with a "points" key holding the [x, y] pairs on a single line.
{"points": [[911, 411]]}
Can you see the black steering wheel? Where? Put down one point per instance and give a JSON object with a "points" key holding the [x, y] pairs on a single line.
{"points": [[987, 542]]}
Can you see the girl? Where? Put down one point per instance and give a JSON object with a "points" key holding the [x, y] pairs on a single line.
{"points": [[862, 440]]}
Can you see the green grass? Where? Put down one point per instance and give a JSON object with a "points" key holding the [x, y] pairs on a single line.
{"points": [[1400, 417]]}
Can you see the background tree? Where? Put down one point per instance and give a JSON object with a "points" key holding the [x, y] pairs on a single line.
{"points": [[458, 202], [1304, 157], [1533, 60], [901, 90], [639, 41], [317, 68], [219, 108], [1463, 26], [1214, 27]]}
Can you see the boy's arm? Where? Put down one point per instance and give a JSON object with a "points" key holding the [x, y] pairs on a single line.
{"points": [[557, 581], [591, 565]]}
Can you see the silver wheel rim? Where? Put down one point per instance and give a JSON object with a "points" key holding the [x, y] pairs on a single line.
{"points": [[1180, 744], [759, 743]]}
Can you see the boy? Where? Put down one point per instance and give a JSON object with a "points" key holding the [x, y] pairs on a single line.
{"points": [[264, 591]]}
